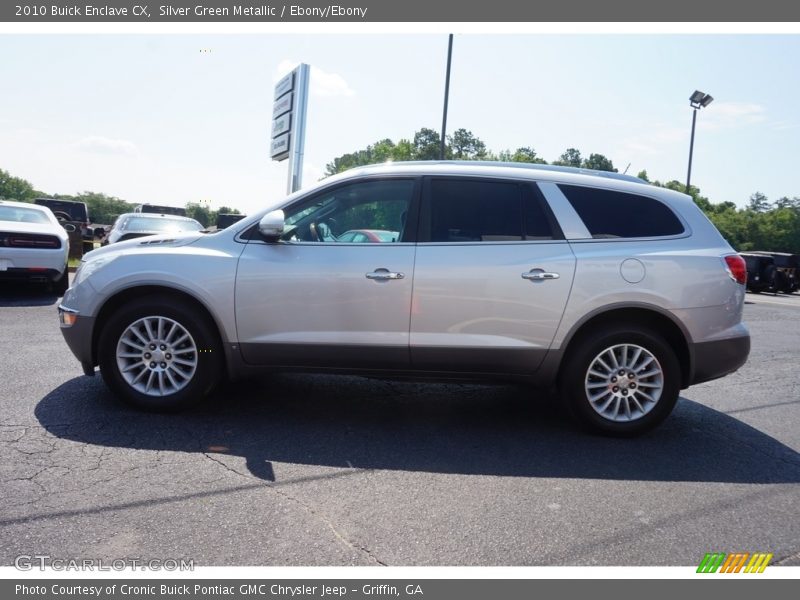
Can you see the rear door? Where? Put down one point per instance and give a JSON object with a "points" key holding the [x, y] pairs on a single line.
{"points": [[492, 277]]}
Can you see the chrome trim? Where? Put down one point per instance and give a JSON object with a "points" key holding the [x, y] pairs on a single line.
{"points": [[384, 275], [538, 275]]}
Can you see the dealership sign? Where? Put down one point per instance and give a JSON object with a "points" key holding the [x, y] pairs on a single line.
{"points": [[287, 133]]}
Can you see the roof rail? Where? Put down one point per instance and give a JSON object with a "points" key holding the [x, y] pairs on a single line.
{"points": [[517, 165]]}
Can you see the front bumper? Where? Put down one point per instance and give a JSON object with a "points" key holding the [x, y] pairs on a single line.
{"points": [[718, 358], [79, 338]]}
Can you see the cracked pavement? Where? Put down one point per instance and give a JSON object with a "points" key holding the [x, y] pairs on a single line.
{"points": [[333, 470]]}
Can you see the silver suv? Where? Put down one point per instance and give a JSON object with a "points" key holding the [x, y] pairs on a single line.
{"points": [[619, 292]]}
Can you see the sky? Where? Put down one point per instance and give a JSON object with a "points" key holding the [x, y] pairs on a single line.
{"points": [[170, 119]]}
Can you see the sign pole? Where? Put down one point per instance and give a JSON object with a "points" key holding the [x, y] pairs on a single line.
{"points": [[288, 136], [298, 138]]}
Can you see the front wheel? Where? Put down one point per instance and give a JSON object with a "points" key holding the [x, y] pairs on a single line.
{"points": [[160, 354], [621, 381]]}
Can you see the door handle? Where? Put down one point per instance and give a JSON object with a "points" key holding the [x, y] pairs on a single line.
{"points": [[539, 275], [384, 275]]}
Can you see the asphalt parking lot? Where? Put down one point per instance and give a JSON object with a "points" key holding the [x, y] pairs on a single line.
{"points": [[325, 470]]}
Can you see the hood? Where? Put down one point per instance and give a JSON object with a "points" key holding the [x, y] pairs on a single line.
{"points": [[174, 240]]}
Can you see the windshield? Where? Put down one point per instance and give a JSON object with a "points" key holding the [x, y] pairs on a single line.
{"points": [[160, 224], [22, 215]]}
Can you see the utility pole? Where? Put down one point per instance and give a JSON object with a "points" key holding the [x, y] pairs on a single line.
{"points": [[446, 95]]}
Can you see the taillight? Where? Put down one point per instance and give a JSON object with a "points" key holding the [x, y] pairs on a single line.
{"points": [[737, 268], [33, 242]]}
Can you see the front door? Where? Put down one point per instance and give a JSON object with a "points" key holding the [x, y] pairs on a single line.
{"points": [[335, 292]]}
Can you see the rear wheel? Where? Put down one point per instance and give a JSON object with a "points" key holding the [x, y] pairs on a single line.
{"points": [[621, 381], [160, 354]]}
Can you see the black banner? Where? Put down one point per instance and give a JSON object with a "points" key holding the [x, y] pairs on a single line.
{"points": [[355, 589], [348, 11]]}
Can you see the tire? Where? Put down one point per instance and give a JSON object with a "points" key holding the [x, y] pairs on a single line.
{"points": [[777, 282], [60, 285], [582, 390], [185, 361]]}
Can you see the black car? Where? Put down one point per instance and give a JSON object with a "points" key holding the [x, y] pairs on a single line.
{"points": [[787, 278], [75, 214], [760, 273], [157, 209], [227, 219]]}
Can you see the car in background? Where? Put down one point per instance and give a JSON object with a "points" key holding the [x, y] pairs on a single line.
{"points": [[33, 245], [787, 270], [136, 225], [359, 236], [158, 209], [70, 212], [227, 219], [761, 273]]}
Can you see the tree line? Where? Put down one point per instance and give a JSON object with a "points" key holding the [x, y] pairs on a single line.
{"points": [[760, 225], [103, 209]]}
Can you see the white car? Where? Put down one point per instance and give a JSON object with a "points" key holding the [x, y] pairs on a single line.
{"points": [[135, 225], [33, 245]]}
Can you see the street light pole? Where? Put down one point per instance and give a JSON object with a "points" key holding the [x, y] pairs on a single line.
{"points": [[697, 101], [446, 95], [691, 151]]}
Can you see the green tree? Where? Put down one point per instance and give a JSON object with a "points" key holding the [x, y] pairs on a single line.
{"points": [[102, 207], [598, 162], [570, 158], [201, 212], [463, 145], [786, 202], [382, 151], [15, 188], [522, 155], [226, 210], [427, 144], [758, 203], [403, 150]]}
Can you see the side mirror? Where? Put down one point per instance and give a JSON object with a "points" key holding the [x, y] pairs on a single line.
{"points": [[271, 225]]}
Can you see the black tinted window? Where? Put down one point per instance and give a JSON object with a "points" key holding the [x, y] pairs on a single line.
{"points": [[610, 214], [537, 223], [475, 211]]}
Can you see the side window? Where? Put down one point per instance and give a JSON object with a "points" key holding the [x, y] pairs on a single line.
{"points": [[610, 214], [474, 211], [368, 211], [538, 224]]}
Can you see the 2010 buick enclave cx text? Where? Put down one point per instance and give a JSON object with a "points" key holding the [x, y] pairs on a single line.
{"points": [[619, 292]]}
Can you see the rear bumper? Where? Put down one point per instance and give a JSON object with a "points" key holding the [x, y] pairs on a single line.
{"points": [[718, 358], [41, 275]]}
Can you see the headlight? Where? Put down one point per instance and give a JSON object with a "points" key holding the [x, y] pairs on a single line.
{"points": [[86, 269]]}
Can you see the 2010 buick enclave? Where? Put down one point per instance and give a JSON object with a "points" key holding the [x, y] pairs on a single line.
{"points": [[619, 292]]}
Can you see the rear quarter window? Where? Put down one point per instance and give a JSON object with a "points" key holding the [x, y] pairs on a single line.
{"points": [[609, 214]]}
